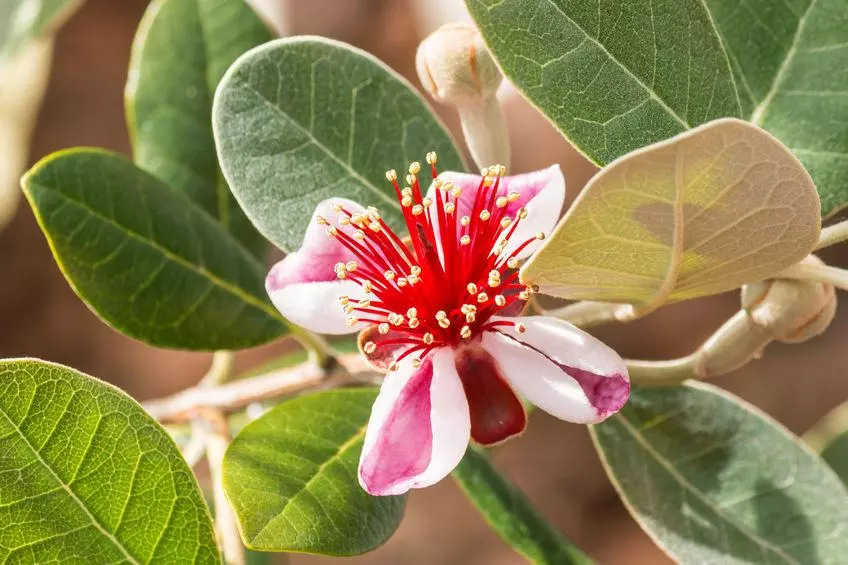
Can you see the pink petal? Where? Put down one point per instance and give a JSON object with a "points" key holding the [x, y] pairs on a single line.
{"points": [[419, 427], [561, 369], [541, 192], [304, 286]]}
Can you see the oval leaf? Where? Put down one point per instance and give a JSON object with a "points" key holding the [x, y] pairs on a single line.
{"points": [[301, 120], [713, 480], [146, 260], [789, 60], [291, 478], [87, 477], [181, 51], [709, 210], [511, 515], [612, 76]]}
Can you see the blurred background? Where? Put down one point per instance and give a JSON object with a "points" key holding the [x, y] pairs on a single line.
{"points": [[554, 462]]}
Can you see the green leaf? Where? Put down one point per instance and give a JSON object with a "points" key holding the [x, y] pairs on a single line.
{"points": [[301, 120], [511, 515], [291, 478], [829, 438], [714, 480], [713, 208], [146, 260], [24, 20], [86, 476], [612, 76], [789, 59], [180, 53]]}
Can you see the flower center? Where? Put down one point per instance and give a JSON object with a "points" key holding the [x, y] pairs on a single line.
{"points": [[442, 286]]}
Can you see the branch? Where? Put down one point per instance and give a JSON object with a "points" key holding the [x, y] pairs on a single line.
{"points": [[230, 397], [817, 273], [832, 235], [589, 313]]}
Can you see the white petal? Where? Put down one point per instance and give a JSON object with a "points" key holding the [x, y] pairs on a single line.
{"points": [[561, 369], [419, 427], [304, 286]]}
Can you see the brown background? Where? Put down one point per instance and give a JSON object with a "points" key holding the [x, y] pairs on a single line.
{"points": [[553, 462]]}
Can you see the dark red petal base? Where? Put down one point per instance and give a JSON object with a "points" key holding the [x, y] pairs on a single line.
{"points": [[496, 411]]}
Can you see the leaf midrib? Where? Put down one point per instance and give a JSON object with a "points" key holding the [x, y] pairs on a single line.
{"points": [[171, 256], [67, 488], [308, 133], [649, 90], [360, 433], [684, 483]]}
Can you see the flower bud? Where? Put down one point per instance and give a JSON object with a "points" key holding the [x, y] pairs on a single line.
{"points": [[791, 310], [455, 66]]}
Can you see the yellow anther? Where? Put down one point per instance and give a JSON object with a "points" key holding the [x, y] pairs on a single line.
{"points": [[406, 201], [364, 303], [348, 309], [485, 215], [374, 226], [465, 240], [393, 366], [456, 192], [321, 221], [470, 317], [390, 275], [351, 321], [417, 210], [439, 184], [367, 286], [358, 235], [383, 328], [373, 213], [494, 170], [450, 208], [415, 270], [332, 231], [522, 213], [465, 332], [513, 196], [412, 313], [501, 170], [410, 179], [520, 328], [357, 219], [465, 220], [471, 288], [351, 266], [482, 297], [512, 262], [369, 347], [402, 282], [344, 300], [444, 323], [427, 202], [413, 279], [416, 362], [413, 323], [414, 168], [441, 315], [391, 175], [336, 207], [395, 319], [406, 191], [428, 338], [484, 171], [540, 236], [488, 181], [501, 202], [505, 222], [494, 273], [344, 220], [500, 300], [431, 158]]}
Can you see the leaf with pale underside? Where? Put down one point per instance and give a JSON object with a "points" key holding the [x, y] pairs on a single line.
{"points": [[713, 480], [301, 120], [789, 60], [181, 51], [86, 476], [702, 213], [612, 76], [291, 478]]}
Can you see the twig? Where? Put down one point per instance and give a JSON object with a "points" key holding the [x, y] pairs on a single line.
{"points": [[587, 313], [832, 235], [217, 441], [817, 273], [181, 407]]}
